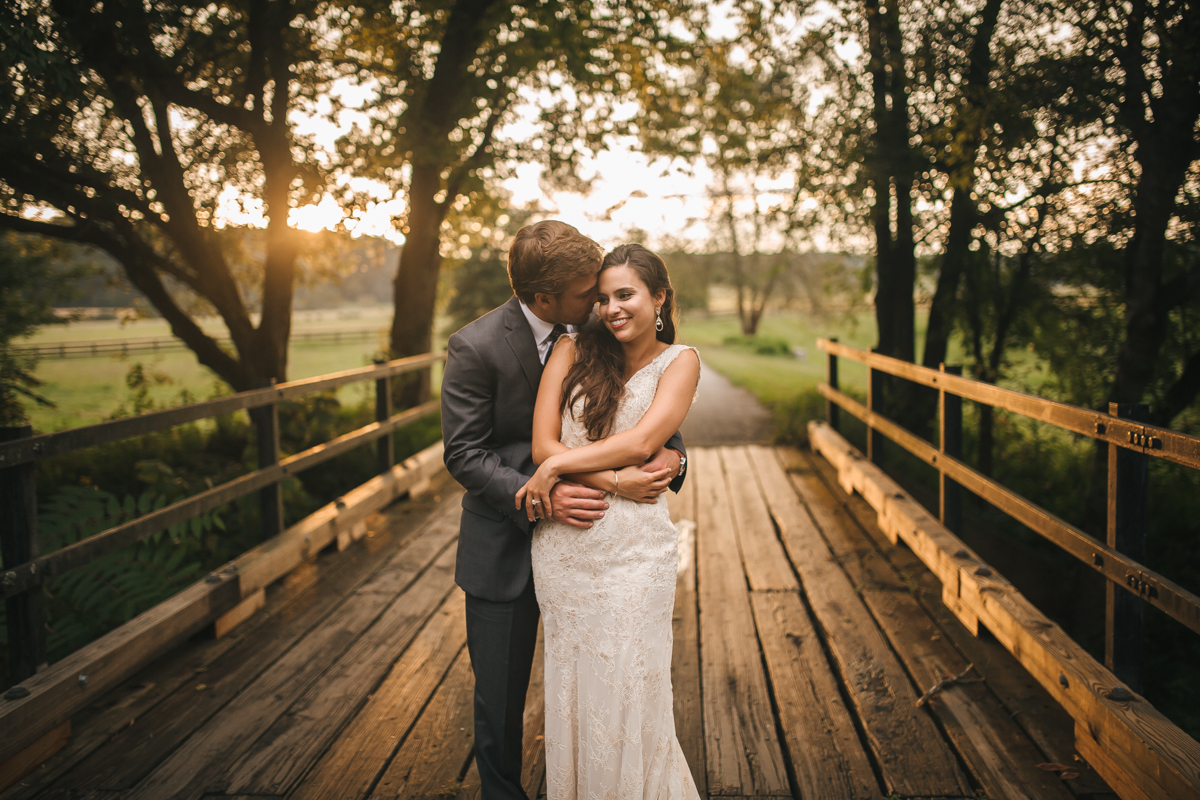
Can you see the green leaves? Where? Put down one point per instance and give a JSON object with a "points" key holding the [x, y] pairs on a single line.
{"points": [[87, 601]]}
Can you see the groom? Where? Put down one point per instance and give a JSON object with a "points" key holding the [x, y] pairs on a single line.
{"points": [[493, 367]]}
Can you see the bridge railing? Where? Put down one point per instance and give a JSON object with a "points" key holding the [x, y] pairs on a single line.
{"points": [[1159, 760], [46, 696]]}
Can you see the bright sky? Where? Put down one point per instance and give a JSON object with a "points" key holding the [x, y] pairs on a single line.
{"points": [[668, 200]]}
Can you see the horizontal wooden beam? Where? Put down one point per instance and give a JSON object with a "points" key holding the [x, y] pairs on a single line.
{"points": [[53, 444], [21, 577], [1132, 576], [68, 686], [159, 344], [1158, 442], [1150, 751]]}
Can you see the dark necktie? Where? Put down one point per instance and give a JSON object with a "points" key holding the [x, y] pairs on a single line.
{"points": [[558, 331]]}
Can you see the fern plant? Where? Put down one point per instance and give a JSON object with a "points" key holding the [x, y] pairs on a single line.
{"points": [[90, 600]]}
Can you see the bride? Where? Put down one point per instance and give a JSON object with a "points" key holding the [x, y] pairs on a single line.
{"points": [[610, 397]]}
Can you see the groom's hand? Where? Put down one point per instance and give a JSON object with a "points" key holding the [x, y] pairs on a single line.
{"points": [[576, 504], [665, 458]]}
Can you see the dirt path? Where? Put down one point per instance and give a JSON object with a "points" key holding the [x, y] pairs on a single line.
{"points": [[725, 414]]}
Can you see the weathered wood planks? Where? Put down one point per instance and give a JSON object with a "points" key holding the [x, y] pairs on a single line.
{"points": [[685, 654], [742, 750], [913, 757], [827, 757], [767, 567], [435, 752], [1145, 748], [218, 671], [995, 749], [275, 762], [56, 694], [364, 748], [205, 758], [759, 676]]}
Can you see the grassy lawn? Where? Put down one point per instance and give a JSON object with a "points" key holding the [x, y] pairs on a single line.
{"points": [[90, 390], [776, 378]]}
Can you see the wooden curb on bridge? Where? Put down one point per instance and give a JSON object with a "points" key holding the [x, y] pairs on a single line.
{"points": [[1138, 751], [38, 725]]}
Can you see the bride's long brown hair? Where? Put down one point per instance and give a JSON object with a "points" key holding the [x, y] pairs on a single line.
{"points": [[598, 374]]}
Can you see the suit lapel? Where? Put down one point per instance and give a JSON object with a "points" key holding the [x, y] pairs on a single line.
{"points": [[520, 340]]}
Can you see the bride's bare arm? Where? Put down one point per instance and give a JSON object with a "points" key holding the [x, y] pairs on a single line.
{"points": [[671, 402], [547, 423]]}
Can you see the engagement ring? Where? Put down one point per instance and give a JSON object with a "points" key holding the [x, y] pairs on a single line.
{"points": [[534, 502]]}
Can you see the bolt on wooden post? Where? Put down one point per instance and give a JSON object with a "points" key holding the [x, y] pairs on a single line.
{"points": [[1128, 511], [385, 448], [831, 379], [19, 544], [950, 444], [266, 423]]}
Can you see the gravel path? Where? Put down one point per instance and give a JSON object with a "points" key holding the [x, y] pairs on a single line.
{"points": [[725, 414]]}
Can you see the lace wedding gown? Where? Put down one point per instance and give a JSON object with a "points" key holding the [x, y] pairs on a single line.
{"points": [[607, 595]]}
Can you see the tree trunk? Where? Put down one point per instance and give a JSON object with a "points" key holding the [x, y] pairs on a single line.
{"points": [[892, 177], [415, 287], [963, 213], [1146, 304], [1166, 146]]}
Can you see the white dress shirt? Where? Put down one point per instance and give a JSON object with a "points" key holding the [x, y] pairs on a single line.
{"points": [[541, 331]]}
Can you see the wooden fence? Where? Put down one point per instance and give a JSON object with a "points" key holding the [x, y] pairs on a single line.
{"points": [[161, 344], [35, 713], [1133, 746]]}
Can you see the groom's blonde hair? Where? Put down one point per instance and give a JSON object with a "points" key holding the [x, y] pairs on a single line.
{"points": [[547, 256]]}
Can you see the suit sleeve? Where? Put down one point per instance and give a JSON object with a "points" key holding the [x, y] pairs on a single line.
{"points": [[676, 443], [468, 397]]}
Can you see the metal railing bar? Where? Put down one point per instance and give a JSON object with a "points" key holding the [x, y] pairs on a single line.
{"points": [[1123, 571], [1152, 440], [22, 577], [45, 445]]}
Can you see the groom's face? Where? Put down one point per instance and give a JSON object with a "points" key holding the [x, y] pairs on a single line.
{"points": [[573, 306]]}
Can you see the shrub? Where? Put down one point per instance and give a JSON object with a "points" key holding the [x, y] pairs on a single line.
{"points": [[791, 417], [91, 490], [762, 345]]}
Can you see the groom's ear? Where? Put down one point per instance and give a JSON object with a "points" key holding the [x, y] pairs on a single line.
{"points": [[542, 300]]}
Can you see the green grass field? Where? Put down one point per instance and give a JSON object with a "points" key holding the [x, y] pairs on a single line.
{"points": [[90, 390], [775, 378]]}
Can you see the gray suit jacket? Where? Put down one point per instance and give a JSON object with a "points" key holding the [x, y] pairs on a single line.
{"points": [[488, 393]]}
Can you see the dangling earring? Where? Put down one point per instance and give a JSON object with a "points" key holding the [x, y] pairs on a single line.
{"points": [[658, 326]]}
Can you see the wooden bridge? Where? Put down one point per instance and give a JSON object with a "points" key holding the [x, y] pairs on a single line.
{"points": [[803, 644], [826, 646]]}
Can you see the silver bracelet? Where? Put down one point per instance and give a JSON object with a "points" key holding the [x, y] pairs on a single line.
{"points": [[616, 481]]}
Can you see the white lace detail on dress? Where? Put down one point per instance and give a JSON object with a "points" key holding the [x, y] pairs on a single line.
{"points": [[607, 595]]}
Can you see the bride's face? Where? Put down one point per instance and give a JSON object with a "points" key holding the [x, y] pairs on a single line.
{"points": [[626, 304]]}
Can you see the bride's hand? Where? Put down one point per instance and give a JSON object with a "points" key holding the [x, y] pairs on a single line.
{"points": [[536, 492], [636, 484]]}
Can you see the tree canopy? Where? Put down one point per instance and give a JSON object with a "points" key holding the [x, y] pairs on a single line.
{"points": [[124, 125]]}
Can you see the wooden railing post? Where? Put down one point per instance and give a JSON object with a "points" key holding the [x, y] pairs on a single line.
{"points": [[266, 422], [1128, 509], [386, 448], [831, 378], [19, 544], [950, 444], [874, 398]]}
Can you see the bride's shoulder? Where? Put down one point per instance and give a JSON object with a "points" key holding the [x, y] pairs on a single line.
{"points": [[685, 356], [563, 350]]}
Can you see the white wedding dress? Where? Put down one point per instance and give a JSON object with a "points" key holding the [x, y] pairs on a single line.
{"points": [[607, 595]]}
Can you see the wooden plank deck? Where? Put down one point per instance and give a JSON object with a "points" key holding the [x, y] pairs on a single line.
{"points": [[803, 640]]}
